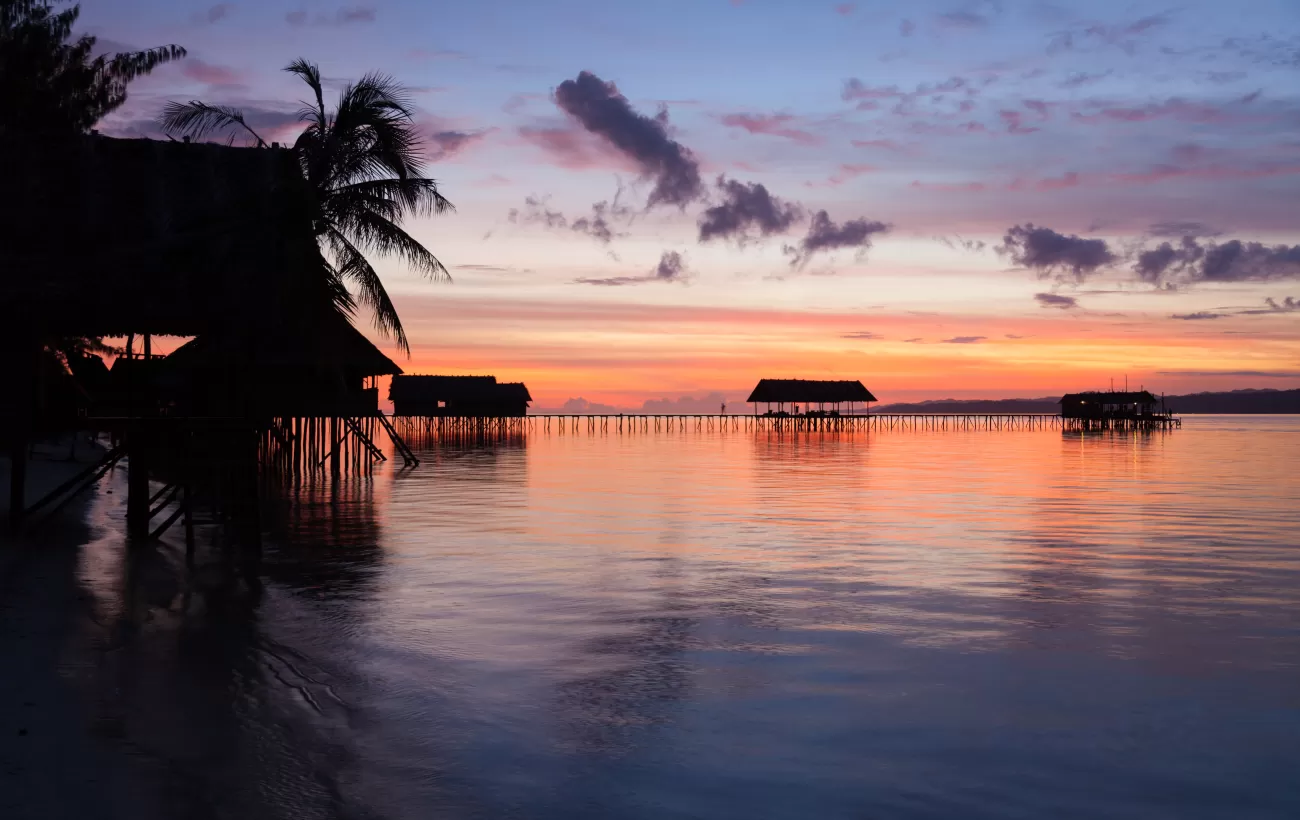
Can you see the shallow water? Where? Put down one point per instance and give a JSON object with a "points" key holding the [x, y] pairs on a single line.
{"points": [[719, 625]]}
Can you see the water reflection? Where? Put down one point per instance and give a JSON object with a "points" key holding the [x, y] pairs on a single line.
{"points": [[968, 624]]}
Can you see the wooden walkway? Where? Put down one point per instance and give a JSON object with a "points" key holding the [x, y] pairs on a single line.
{"points": [[449, 426]]}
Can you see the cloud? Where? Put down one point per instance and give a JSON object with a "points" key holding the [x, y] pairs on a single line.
{"points": [[1045, 251], [437, 54], [1231, 261], [602, 110], [448, 143], [824, 236], [344, 16], [964, 340], [1203, 314], [888, 145], [535, 212], [846, 8], [906, 27], [671, 268], [958, 243], [846, 172], [917, 340], [745, 208], [195, 69], [1124, 36], [1056, 300], [1288, 305], [774, 125], [862, 334], [1176, 229], [574, 148], [1079, 79], [214, 14], [964, 19]]}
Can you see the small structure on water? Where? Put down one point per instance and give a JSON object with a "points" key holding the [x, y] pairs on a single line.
{"points": [[1101, 405], [804, 393], [463, 396]]}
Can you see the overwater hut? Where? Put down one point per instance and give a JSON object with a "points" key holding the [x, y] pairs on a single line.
{"points": [[319, 366], [794, 395], [1102, 405], [465, 396]]}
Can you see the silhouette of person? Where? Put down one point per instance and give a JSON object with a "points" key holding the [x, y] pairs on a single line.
{"points": [[724, 409]]}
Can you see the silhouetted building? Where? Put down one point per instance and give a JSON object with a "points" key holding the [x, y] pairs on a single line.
{"points": [[457, 396], [319, 366], [1101, 405], [808, 392]]}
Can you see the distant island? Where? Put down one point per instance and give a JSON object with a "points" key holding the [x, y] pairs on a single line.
{"points": [[1264, 401]]}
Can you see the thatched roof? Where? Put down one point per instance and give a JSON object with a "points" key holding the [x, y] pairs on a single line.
{"points": [[456, 388], [1109, 397], [109, 236], [808, 391], [327, 340]]}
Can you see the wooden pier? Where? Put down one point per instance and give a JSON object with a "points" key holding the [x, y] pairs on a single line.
{"points": [[417, 428]]}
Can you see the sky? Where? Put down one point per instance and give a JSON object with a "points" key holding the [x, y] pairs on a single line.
{"points": [[664, 202]]}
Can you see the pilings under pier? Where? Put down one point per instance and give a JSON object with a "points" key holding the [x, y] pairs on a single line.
{"points": [[446, 427]]}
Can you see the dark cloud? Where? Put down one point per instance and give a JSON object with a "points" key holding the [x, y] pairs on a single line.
{"points": [[214, 14], [1199, 315], [964, 340], [1045, 251], [1231, 261], [449, 143], [671, 268], [598, 225], [745, 208], [602, 110], [824, 235], [347, 15], [1176, 229], [1288, 305], [862, 334], [1056, 300], [1237, 261], [958, 243]]}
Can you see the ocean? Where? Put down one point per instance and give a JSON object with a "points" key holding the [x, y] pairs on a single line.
{"points": [[703, 624]]}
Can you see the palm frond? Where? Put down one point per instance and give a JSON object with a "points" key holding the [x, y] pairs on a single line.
{"points": [[196, 119], [310, 74], [129, 65], [394, 198], [353, 266], [374, 232]]}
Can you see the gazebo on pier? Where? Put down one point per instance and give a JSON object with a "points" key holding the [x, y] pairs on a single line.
{"points": [[828, 396]]}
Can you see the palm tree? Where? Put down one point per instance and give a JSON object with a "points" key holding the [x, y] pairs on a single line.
{"points": [[51, 81], [364, 168]]}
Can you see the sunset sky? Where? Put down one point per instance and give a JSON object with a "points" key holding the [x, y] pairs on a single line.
{"points": [[640, 187]]}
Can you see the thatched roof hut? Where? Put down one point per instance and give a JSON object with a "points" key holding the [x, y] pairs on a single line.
{"points": [[106, 237], [809, 391], [457, 396]]}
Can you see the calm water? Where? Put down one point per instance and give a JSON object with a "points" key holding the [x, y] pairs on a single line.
{"points": [[704, 625]]}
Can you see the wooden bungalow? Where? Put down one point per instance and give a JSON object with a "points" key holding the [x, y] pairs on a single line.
{"points": [[1104, 405], [802, 394], [465, 396]]}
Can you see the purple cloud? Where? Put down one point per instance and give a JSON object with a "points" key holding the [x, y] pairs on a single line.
{"points": [[1045, 251], [964, 340], [602, 110], [745, 208], [1231, 261], [671, 268], [774, 125], [825, 235], [1199, 315], [1056, 300]]}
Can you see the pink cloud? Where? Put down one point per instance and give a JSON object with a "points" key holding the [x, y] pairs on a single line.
{"points": [[1176, 109], [887, 145], [950, 187], [575, 149], [1014, 122], [201, 72], [845, 173], [774, 125], [846, 8]]}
